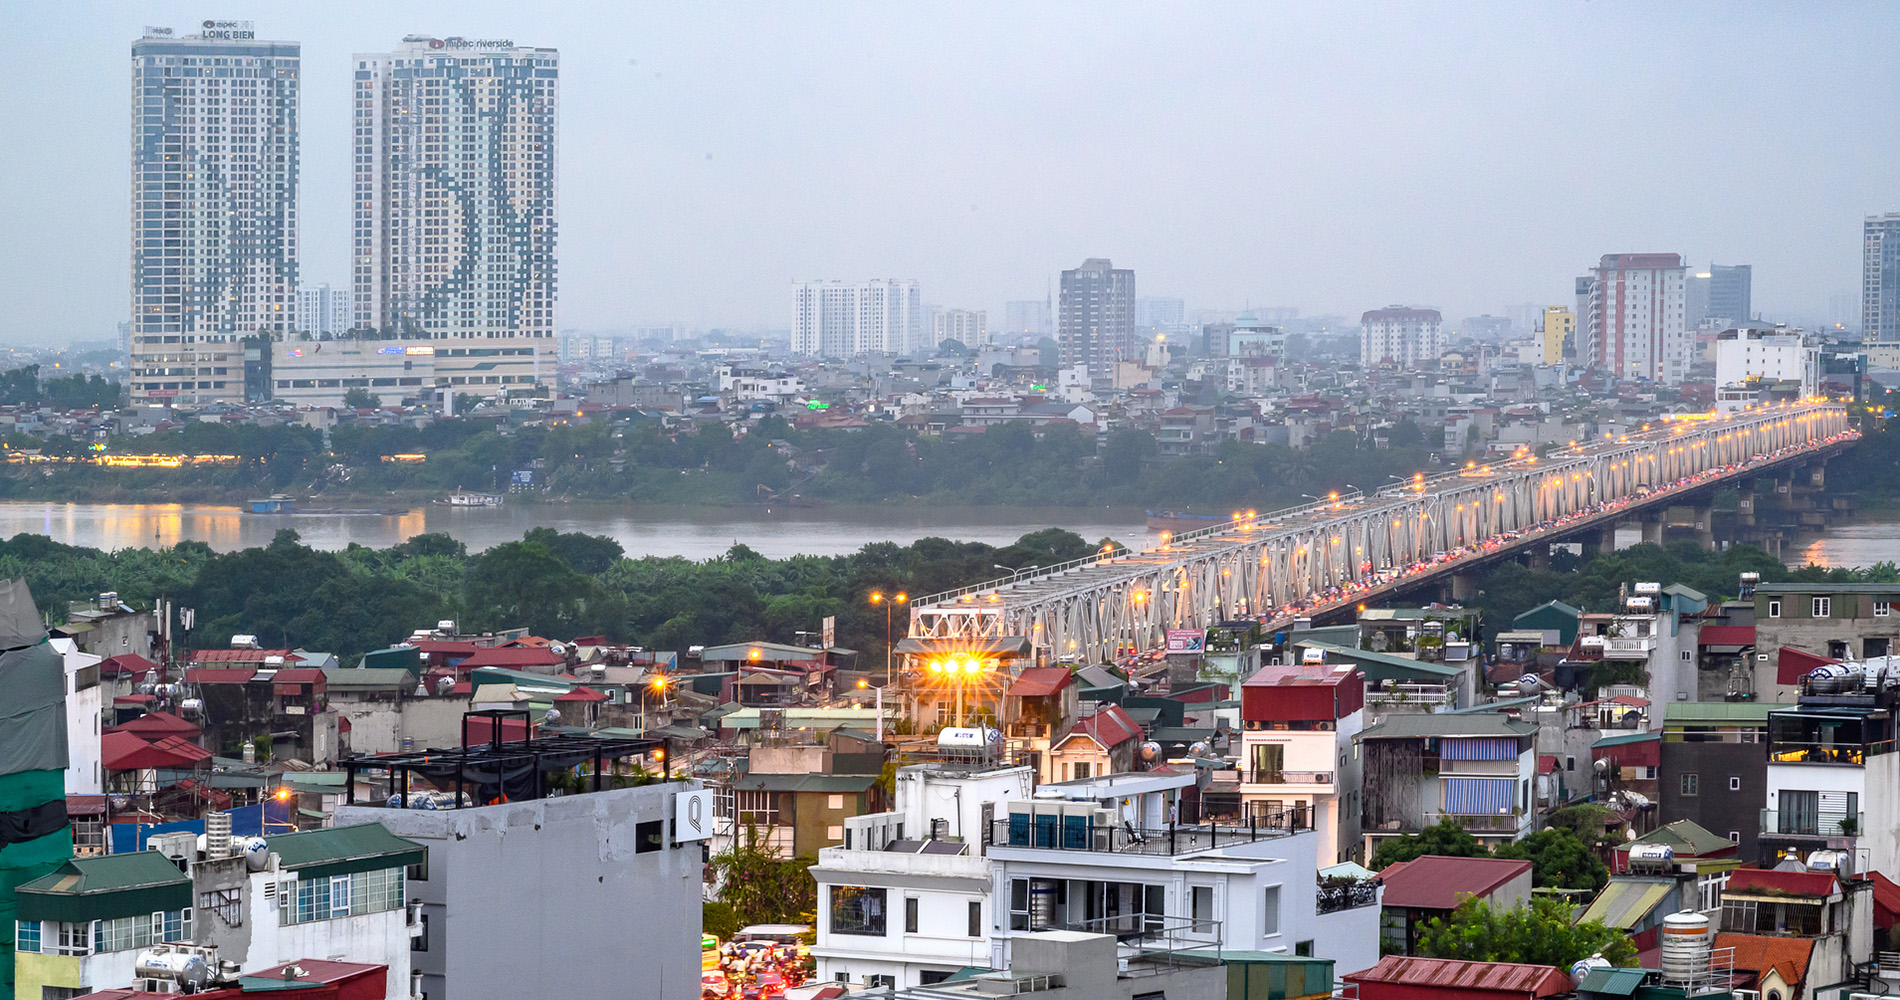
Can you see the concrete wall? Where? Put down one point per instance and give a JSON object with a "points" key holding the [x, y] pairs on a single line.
{"points": [[1715, 808], [433, 722], [84, 721], [551, 897], [380, 938]]}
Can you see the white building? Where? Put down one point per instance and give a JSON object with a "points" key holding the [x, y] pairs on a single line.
{"points": [[1298, 767], [842, 319], [214, 206], [1637, 320], [1831, 771], [905, 901], [456, 200], [324, 310], [969, 327], [1100, 855], [1410, 338], [741, 382], [85, 719], [318, 373], [1748, 354]]}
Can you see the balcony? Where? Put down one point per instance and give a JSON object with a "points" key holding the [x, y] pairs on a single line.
{"points": [[1129, 839], [1635, 648], [1480, 822], [1335, 895], [1826, 824], [1798, 752], [1283, 777]]}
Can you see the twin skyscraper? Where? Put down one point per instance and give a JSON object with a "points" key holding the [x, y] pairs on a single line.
{"points": [[452, 258]]}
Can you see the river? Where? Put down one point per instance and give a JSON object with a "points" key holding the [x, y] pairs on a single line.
{"points": [[696, 532]]}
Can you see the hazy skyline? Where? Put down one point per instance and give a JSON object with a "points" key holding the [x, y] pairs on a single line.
{"points": [[1337, 159]]}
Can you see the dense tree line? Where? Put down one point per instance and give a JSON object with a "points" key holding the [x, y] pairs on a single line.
{"points": [[556, 584], [23, 387]]}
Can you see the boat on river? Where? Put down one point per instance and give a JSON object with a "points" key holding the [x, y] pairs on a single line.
{"points": [[282, 504], [464, 498]]}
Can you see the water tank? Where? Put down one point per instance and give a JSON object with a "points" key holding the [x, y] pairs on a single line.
{"points": [[968, 738], [1584, 966], [1199, 749], [1311, 655], [1150, 752], [1643, 604], [1647, 588], [446, 626], [1651, 856], [192, 706], [244, 642], [1686, 943], [1827, 861], [1832, 678], [255, 850], [185, 969]]}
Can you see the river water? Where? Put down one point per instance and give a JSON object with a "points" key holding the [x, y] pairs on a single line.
{"points": [[696, 532]]}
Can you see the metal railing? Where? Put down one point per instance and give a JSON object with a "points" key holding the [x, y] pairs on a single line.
{"points": [[1478, 821], [1130, 839], [1284, 777], [1803, 823], [1335, 895]]}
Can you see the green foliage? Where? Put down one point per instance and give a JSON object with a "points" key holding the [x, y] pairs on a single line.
{"points": [[764, 887], [718, 919], [1446, 838], [1538, 934], [24, 387], [360, 398], [1559, 860]]}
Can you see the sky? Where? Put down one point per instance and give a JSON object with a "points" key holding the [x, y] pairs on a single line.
{"points": [[1331, 157]]}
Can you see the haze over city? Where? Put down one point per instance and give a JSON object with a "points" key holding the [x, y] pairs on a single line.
{"points": [[1336, 159]]}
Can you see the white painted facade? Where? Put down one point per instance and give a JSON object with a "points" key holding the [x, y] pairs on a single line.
{"points": [[842, 319], [1409, 337], [1768, 355], [1638, 317], [1320, 769], [85, 719]]}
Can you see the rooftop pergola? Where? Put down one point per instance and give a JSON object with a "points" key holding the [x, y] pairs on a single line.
{"points": [[500, 770]]}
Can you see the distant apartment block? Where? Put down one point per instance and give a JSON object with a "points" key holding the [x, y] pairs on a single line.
{"points": [[1747, 356], [456, 200], [214, 207], [1560, 330], [1407, 337], [969, 327], [324, 310], [1729, 295], [843, 319], [1638, 317], [1097, 321], [1880, 278]]}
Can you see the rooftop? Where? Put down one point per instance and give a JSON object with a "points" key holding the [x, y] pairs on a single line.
{"points": [[497, 771], [1452, 975], [1437, 882], [1443, 724]]}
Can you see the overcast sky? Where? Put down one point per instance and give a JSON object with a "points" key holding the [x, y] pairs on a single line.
{"points": [[1335, 158]]}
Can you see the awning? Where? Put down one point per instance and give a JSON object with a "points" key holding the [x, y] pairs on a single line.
{"points": [[1623, 904], [1005, 645]]}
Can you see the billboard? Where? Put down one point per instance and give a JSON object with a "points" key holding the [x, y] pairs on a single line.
{"points": [[1187, 640]]}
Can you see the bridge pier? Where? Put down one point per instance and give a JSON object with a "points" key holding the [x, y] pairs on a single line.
{"points": [[1463, 586]]}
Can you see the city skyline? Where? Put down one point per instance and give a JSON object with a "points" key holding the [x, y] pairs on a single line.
{"points": [[690, 197]]}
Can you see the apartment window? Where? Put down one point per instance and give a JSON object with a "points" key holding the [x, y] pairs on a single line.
{"points": [[834, 802], [1735, 836], [1079, 770], [975, 917], [1270, 919], [71, 938], [1734, 783], [1882, 608], [1691, 783], [1774, 609], [857, 910], [1570, 762], [910, 914], [1822, 607], [1303, 948], [26, 936], [1687, 656], [1203, 906]]}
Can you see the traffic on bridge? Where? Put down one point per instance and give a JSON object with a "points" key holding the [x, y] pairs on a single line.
{"points": [[1340, 549]]}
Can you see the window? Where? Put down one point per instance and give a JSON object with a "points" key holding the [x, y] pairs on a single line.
{"points": [[1735, 836], [648, 836], [1734, 783], [1270, 920], [1774, 609], [834, 802], [1570, 762], [26, 936], [420, 870], [857, 910], [910, 914], [70, 938], [1303, 948], [1823, 607], [1687, 656], [1079, 770], [1691, 783], [975, 919], [1882, 608], [926, 977], [1269, 762], [1203, 906]]}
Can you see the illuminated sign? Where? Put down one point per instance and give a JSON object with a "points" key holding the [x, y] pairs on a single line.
{"points": [[692, 815], [389, 350], [817, 405], [418, 350], [471, 43]]}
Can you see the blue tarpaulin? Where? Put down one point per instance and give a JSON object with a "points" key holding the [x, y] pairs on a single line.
{"points": [[268, 817], [1479, 796]]}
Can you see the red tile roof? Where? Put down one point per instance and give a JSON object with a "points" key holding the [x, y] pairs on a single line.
{"points": [[298, 675], [125, 663], [582, 693], [1886, 901], [219, 675], [1761, 954], [157, 724], [125, 751], [512, 657], [1759, 880], [1727, 635], [1546, 763], [1039, 682], [448, 646], [1109, 727], [239, 655], [1459, 978], [1436, 882]]}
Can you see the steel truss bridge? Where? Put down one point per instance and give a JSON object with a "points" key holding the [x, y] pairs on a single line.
{"points": [[1355, 545]]}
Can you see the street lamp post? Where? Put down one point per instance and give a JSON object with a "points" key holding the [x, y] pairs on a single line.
{"points": [[877, 597]]}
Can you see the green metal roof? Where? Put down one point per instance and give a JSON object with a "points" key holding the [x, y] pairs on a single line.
{"points": [[344, 849], [369, 678], [1687, 837], [1720, 711], [1382, 666], [1624, 902], [1622, 738], [1613, 982], [102, 888]]}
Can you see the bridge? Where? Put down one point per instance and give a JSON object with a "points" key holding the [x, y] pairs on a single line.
{"points": [[1352, 547]]}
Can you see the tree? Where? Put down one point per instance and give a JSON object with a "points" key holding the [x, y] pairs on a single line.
{"points": [[717, 919], [951, 345], [1559, 860], [1447, 839], [763, 886], [360, 398], [1537, 934]]}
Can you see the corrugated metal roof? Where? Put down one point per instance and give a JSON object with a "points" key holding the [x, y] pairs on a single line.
{"points": [[1366, 659], [1040, 682], [344, 849], [1688, 838], [1720, 711], [1452, 975], [1440, 724], [1437, 882], [1624, 902], [1613, 982], [1764, 880]]}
